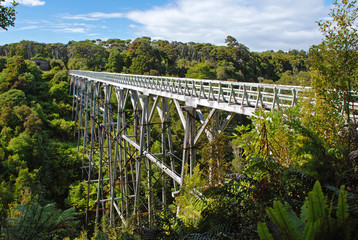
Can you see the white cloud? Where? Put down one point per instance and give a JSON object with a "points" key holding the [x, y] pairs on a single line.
{"points": [[72, 30], [259, 24], [31, 3], [78, 17], [29, 27], [93, 16], [106, 15]]}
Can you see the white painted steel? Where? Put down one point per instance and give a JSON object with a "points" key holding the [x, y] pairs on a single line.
{"points": [[237, 97]]}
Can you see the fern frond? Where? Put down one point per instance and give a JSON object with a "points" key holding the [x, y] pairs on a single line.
{"points": [[310, 230], [316, 203], [342, 207], [263, 231], [41, 222], [280, 217]]}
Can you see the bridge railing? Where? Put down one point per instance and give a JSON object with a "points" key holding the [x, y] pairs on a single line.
{"points": [[212, 93], [204, 92]]}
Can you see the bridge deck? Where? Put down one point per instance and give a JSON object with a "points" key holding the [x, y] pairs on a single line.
{"points": [[237, 97]]}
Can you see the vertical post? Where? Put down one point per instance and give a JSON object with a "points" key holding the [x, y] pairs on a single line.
{"points": [[189, 151], [107, 134], [101, 137], [163, 119], [85, 134], [146, 128], [81, 95], [170, 140], [135, 102], [91, 162], [119, 145], [74, 89], [144, 146], [125, 152]]}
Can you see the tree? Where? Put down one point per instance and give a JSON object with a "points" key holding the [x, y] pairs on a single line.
{"points": [[201, 71], [115, 61], [231, 41], [144, 57], [7, 15], [92, 55], [334, 62], [3, 62]]}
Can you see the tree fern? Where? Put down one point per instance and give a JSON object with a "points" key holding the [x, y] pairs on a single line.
{"points": [[34, 221]]}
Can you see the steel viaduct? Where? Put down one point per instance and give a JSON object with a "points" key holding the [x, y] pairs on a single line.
{"points": [[124, 161]]}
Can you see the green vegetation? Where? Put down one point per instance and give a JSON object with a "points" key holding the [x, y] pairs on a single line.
{"points": [[334, 61], [162, 58], [7, 15], [254, 180], [315, 221], [38, 158]]}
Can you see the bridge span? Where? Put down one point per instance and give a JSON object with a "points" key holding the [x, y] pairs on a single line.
{"points": [[125, 132]]}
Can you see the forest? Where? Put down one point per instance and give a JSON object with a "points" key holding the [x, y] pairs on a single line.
{"points": [[287, 174]]}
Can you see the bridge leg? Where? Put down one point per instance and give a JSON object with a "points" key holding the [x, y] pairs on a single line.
{"points": [[101, 158], [189, 156], [163, 115], [79, 106], [85, 137], [74, 94], [145, 144], [107, 128], [92, 150], [119, 155], [167, 124]]}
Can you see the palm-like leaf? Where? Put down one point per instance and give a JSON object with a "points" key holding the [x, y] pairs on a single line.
{"points": [[263, 231], [342, 207], [279, 215], [315, 221], [316, 204], [41, 222]]}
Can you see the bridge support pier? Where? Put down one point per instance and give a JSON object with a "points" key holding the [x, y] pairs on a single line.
{"points": [[189, 156]]}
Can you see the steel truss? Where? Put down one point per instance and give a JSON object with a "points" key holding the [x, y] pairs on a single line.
{"points": [[124, 130], [135, 172]]}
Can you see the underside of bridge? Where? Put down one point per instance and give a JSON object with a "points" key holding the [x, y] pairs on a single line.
{"points": [[131, 162]]}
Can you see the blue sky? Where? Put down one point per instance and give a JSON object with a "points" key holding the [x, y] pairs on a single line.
{"points": [[259, 24]]}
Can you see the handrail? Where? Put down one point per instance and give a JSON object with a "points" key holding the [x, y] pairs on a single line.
{"points": [[240, 97]]}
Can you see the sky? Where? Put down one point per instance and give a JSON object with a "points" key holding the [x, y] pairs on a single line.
{"points": [[259, 24]]}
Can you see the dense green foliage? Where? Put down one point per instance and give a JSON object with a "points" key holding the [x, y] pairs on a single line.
{"points": [[334, 61], [38, 161], [233, 62]]}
